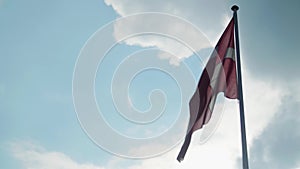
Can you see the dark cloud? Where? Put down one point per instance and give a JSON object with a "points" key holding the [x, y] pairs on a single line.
{"points": [[269, 37], [278, 146]]}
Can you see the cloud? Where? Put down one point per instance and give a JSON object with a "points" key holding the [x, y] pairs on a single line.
{"points": [[197, 11], [272, 130], [262, 102], [278, 145], [176, 50], [198, 157], [270, 44], [223, 148], [33, 156], [194, 10]]}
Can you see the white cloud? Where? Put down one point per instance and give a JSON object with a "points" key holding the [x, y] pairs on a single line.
{"points": [[198, 157], [174, 50], [220, 151], [175, 36], [36, 157], [223, 149], [298, 167], [195, 11], [262, 100]]}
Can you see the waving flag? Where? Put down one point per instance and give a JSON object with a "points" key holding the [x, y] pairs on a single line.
{"points": [[218, 76]]}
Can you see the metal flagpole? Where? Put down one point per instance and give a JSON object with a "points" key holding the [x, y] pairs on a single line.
{"points": [[234, 8]]}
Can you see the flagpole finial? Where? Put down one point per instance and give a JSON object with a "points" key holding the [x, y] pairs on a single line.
{"points": [[234, 8]]}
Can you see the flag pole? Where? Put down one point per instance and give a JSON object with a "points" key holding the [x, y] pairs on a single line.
{"points": [[234, 8]]}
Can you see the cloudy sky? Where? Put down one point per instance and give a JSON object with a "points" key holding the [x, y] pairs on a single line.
{"points": [[142, 111]]}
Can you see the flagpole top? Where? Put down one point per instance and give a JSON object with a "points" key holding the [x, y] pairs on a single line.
{"points": [[234, 8]]}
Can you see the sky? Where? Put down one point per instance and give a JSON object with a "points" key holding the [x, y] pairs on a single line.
{"points": [[139, 87]]}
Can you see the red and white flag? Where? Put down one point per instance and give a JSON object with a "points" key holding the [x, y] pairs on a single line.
{"points": [[218, 76]]}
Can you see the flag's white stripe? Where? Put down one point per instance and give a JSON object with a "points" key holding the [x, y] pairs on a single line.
{"points": [[218, 71], [230, 53], [216, 74], [212, 102]]}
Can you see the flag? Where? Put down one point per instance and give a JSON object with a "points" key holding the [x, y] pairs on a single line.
{"points": [[218, 76]]}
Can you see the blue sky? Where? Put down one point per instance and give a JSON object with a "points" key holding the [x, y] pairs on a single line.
{"points": [[40, 42]]}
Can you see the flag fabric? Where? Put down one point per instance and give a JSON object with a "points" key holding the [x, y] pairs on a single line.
{"points": [[218, 76]]}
